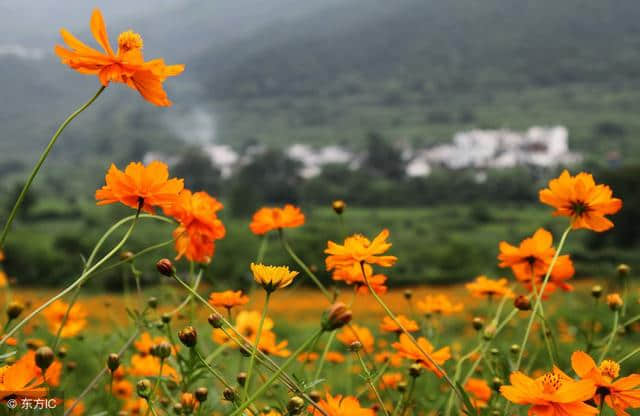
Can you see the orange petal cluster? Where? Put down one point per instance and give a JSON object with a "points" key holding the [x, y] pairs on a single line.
{"points": [[274, 218]]}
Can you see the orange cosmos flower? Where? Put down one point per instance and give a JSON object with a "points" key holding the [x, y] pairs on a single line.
{"points": [[620, 394], [391, 380], [122, 389], [484, 286], [76, 320], [272, 277], [353, 275], [145, 343], [136, 406], [269, 346], [553, 394], [389, 325], [479, 390], [149, 366], [394, 359], [352, 333], [247, 324], [358, 249], [334, 357], [228, 299], [308, 357], [126, 66], [439, 304], [78, 410], [267, 219], [23, 377], [341, 406], [4, 280], [531, 257], [407, 349], [579, 198], [148, 186]]}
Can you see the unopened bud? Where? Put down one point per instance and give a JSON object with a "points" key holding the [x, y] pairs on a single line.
{"points": [[477, 323], [337, 316], [126, 255], [415, 370], [188, 336], [402, 386], [62, 352], [514, 349], [494, 351], [113, 362], [44, 358], [163, 350], [152, 302], [165, 267], [623, 270], [408, 294], [355, 346], [315, 395], [188, 402], [496, 383], [522, 303], [614, 301], [295, 404], [338, 206], [201, 394], [143, 388], [165, 318], [241, 378], [177, 409], [215, 320], [14, 309], [228, 394]]}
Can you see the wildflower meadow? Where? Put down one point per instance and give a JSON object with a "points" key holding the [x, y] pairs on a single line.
{"points": [[530, 341]]}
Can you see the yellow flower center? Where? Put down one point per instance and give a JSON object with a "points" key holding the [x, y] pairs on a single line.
{"points": [[551, 383], [129, 40], [609, 368]]}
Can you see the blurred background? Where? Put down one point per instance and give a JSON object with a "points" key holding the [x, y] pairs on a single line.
{"points": [[437, 119]]}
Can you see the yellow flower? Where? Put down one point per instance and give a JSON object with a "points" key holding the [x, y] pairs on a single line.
{"points": [[272, 277]]}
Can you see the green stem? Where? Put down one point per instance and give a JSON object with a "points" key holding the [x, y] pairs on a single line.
{"points": [[255, 346], [275, 375], [612, 336], [323, 358], [39, 164], [405, 404], [536, 307], [213, 370], [367, 374], [155, 386], [262, 249], [83, 277], [189, 296], [304, 267]]}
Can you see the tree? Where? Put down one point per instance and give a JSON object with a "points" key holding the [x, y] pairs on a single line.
{"points": [[382, 158]]}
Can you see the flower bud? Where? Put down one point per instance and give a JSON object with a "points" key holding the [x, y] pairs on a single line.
{"points": [[596, 291], [415, 370], [315, 396], [177, 408], [614, 301], [71, 365], [143, 388], [489, 332], [152, 302], [355, 346], [113, 362], [62, 352], [165, 318], [295, 405], [14, 309], [165, 267], [514, 349], [241, 378], [402, 386], [337, 316], [126, 255], [229, 395], [496, 383], [44, 358], [477, 323], [494, 352], [201, 394], [623, 270], [338, 206], [163, 350], [522, 303], [188, 402], [215, 320], [188, 336], [408, 294]]}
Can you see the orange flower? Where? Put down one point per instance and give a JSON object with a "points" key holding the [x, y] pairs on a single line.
{"points": [[269, 346], [391, 380], [4, 280], [483, 286], [579, 198], [334, 357], [353, 275], [407, 349], [389, 325], [122, 389], [78, 410], [308, 357], [228, 299], [145, 343], [272, 277], [620, 394], [126, 66], [267, 219], [341, 406], [76, 320], [138, 184], [149, 366], [439, 304], [358, 249], [22, 377], [136, 406], [531, 258], [394, 359], [480, 390], [553, 394], [352, 333], [247, 324]]}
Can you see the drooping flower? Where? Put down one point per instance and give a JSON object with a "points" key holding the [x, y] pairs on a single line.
{"points": [[353, 275], [553, 394], [140, 185], [484, 286], [341, 406], [619, 394], [76, 320], [272, 277], [579, 198], [273, 218], [125, 66], [439, 305], [407, 349], [352, 333], [228, 299], [358, 249], [389, 325]]}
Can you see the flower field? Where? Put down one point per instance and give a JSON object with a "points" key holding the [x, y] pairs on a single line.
{"points": [[528, 341]]}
